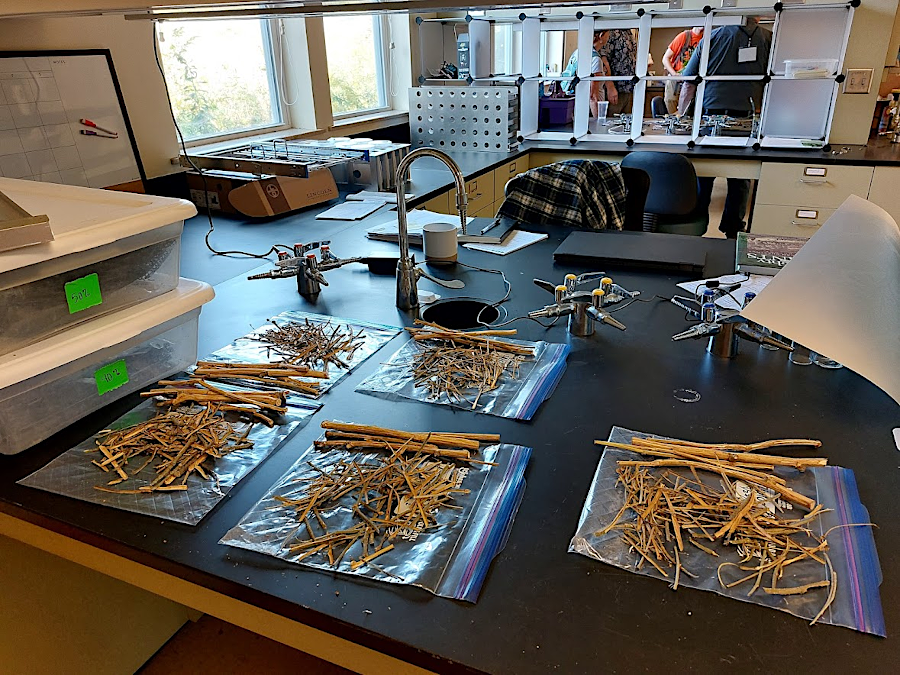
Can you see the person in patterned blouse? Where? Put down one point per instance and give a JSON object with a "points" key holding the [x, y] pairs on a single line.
{"points": [[619, 56]]}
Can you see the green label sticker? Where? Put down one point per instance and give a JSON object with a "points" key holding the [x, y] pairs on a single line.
{"points": [[111, 376], [83, 293]]}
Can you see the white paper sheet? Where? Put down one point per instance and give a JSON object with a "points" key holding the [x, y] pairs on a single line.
{"points": [[415, 221], [755, 283], [518, 240], [840, 295], [368, 196], [350, 210]]}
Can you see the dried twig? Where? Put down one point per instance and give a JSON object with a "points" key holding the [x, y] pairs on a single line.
{"points": [[663, 505], [277, 375], [180, 442], [314, 345], [389, 496], [177, 393], [463, 365]]}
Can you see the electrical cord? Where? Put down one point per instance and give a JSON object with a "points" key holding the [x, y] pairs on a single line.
{"points": [[281, 50], [637, 299], [391, 60], [698, 294], [212, 227], [494, 305]]}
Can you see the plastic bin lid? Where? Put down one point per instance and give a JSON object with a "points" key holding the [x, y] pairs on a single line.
{"points": [[85, 218], [101, 332]]}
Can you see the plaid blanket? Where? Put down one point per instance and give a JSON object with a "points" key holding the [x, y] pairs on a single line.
{"points": [[578, 193]]}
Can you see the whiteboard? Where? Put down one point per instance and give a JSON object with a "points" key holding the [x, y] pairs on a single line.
{"points": [[43, 98]]}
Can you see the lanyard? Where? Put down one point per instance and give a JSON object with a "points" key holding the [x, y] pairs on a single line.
{"points": [[749, 36]]}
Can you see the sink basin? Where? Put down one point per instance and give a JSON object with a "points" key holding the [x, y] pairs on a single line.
{"points": [[460, 313]]}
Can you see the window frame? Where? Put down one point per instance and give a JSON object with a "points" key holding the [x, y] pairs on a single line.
{"points": [[380, 33], [273, 69]]}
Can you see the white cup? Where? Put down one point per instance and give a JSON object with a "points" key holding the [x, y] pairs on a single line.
{"points": [[439, 243]]}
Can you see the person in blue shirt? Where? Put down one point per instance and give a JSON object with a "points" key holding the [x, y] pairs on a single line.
{"points": [[733, 50], [568, 86]]}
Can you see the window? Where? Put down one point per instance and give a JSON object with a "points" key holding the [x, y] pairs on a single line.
{"points": [[221, 76], [355, 51]]}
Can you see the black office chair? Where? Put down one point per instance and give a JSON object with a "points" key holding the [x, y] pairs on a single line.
{"points": [[637, 185], [658, 107], [671, 204]]}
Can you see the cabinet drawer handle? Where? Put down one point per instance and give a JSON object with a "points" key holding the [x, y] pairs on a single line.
{"points": [[813, 182], [807, 223]]}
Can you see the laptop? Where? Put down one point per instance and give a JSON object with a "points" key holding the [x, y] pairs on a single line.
{"points": [[646, 251]]}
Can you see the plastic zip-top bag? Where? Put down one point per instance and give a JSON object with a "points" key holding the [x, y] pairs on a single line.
{"points": [[73, 473], [853, 574], [366, 337], [515, 397], [449, 557]]}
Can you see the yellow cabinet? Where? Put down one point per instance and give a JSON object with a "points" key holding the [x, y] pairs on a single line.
{"points": [[885, 190], [788, 221], [479, 193], [811, 185], [503, 174], [439, 204]]}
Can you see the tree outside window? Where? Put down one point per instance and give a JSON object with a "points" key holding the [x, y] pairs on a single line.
{"points": [[356, 63], [220, 76]]}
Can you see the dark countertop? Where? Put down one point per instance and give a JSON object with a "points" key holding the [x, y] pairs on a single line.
{"points": [[541, 608], [435, 179]]}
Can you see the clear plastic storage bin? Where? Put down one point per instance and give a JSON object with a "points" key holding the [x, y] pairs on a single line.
{"points": [[112, 250], [50, 385], [807, 69]]}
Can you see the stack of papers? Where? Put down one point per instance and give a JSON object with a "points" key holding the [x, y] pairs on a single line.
{"points": [[384, 197], [350, 210], [755, 283], [519, 240], [416, 220]]}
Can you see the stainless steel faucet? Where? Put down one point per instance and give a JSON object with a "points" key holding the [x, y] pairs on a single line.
{"points": [[407, 273]]}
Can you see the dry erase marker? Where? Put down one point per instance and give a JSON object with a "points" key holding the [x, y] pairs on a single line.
{"points": [[89, 123], [88, 132]]}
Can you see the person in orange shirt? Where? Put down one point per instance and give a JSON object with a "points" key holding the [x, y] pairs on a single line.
{"points": [[676, 58]]}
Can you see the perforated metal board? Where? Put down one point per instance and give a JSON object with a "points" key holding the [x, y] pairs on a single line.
{"points": [[464, 118]]}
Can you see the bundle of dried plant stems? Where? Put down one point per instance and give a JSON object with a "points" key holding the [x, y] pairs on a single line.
{"points": [[192, 428], [177, 393], [460, 364], [674, 509], [277, 375], [182, 441], [400, 488], [311, 344]]}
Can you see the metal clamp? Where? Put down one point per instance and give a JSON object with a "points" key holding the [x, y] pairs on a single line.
{"points": [[584, 308], [724, 327]]}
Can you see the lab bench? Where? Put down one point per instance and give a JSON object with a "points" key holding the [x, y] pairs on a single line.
{"points": [[796, 190], [541, 609]]}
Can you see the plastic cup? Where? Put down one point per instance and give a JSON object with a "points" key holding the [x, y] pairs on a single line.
{"points": [[824, 362], [801, 356], [439, 242], [602, 108]]}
